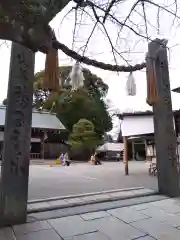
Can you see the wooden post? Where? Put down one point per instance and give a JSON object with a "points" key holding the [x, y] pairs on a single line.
{"points": [[125, 157], [15, 163], [42, 145], [133, 151], [145, 144], [165, 138]]}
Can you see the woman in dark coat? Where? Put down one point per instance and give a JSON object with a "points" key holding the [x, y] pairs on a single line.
{"points": [[98, 157]]}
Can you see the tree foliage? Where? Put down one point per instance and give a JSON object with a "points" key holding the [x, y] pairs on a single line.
{"points": [[83, 135], [71, 106], [4, 102]]}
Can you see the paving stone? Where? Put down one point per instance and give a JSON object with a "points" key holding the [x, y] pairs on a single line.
{"points": [[103, 197], [131, 193], [6, 234], [144, 191], [120, 194], [31, 219], [116, 229], [49, 234], [89, 198], [139, 207], [31, 227], [146, 238], [169, 205], [45, 215], [127, 215], [96, 197], [36, 206], [174, 201], [74, 200], [90, 236], [177, 200], [71, 226], [58, 203], [156, 229], [94, 215], [166, 202], [162, 216]]}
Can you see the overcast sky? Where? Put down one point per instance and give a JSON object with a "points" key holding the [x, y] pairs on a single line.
{"points": [[99, 49]]}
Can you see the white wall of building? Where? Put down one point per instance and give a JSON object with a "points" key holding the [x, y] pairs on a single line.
{"points": [[111, 147], [137, 125]]}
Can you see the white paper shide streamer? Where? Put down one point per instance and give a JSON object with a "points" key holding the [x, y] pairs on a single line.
{"points": [[60, 80], [76, 76], [131, 85]]}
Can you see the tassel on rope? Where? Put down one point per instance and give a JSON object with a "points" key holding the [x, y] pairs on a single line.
{"points": [[131, 85], [152, 95], [77, 77], [51, 75]]}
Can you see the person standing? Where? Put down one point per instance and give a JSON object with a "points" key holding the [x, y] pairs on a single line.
{"points": [[98, 157], [66, 160], [61, 158], [92, 160], [118, 157]]}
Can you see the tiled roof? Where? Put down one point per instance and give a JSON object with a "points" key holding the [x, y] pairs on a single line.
{"points": [[40, 119], [129, 114]]}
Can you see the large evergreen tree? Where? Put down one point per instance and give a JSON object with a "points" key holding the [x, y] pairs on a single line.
{"points": [[71, 106]]}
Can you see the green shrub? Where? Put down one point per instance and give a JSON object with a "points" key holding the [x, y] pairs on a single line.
{"points": [[83, 135]]}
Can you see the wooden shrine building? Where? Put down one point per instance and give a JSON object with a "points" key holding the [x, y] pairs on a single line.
{"points": [[48, 135], [138, 128]]}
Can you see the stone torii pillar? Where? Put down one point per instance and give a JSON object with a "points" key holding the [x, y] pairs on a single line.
{"points": [[15, 163], [164, 132], [37, 36]]}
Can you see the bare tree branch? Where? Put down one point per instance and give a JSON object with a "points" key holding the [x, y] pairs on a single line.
{"points": [[87, 42], [122, 24], [128, 16], [145, 18], [108, 10], [26, 22], [158, 22], [148, 22], [74, 31], [163, 8], [112, 47]]}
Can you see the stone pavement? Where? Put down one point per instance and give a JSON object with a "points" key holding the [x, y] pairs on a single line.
{"points": [[154, 220]]}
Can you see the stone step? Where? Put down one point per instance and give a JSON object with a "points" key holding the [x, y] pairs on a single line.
{"points": [[83, 195], [85, 199], [95, 207]]}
